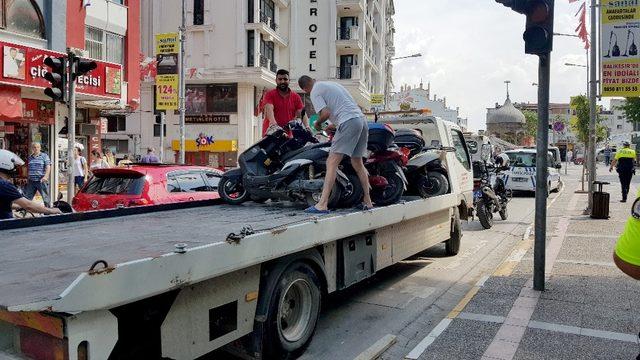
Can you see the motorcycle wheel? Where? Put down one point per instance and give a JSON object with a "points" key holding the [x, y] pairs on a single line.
{"points": [[353, 193], [392, 193], [434, 184], [504, 212], [232, 191], [484, 214], [334, 198]]}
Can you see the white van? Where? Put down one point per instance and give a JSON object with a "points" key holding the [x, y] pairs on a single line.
{"points": [[521, 175]]}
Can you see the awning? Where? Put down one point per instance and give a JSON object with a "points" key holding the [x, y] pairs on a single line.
{"points": [[10, 103], [216, 146]]}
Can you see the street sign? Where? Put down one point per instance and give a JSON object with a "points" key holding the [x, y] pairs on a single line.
{"points": [[619, 51], [167, 81], [377, 99]]}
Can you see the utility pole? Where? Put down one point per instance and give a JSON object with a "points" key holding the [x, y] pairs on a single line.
{"points": [[591, 153], [71, 127], [182, 84]]}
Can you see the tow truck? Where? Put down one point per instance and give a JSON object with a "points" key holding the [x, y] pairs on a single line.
{"points": [[183, 280]]}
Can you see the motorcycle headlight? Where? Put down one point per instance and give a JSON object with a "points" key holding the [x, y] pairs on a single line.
{"points": [[635, 209]]}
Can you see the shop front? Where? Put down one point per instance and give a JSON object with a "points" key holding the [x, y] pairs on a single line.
{"points": [[206, 151]]}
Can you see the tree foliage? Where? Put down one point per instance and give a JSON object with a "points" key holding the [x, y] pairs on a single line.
{"points": [[531, 125], [580, 122], [631, 109]]}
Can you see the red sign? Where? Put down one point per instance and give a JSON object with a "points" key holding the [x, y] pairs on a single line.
{"points": [[36, 111], [24, 66]]}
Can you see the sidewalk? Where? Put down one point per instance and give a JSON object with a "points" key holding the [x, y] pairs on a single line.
{"points": [[589, 309]]}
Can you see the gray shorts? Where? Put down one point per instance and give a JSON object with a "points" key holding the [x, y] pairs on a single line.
{"points": [[351, 138]]}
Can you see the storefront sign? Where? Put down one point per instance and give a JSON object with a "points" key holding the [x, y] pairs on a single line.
{"points": [[204, 140], [104, 125], [37, 112], [24, 66], [620, 24], [216, 146], [167, 81], [207, 119]]}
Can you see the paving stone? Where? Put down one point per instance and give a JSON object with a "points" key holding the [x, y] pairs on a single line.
{"points": [[558, 312], [491, 303], [608, 319], [463, 339], [541, 344]]}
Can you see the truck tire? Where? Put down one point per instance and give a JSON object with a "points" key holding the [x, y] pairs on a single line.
{"points": [[293, 312], [452, 246], [232, 191], [484, 215]]}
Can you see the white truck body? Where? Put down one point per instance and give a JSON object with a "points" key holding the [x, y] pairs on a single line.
{"points": [[150, 298]]}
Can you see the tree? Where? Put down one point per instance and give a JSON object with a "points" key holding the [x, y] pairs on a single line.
{"points": [[531, 125], [580, 122], [631, 109]]}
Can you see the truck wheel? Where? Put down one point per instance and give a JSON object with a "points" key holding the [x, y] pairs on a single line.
{"points": [[452, 246], [293, 312], [434, 184], [232, 191], [484, 215]]}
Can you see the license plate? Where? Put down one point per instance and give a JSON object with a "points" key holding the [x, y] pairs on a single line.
{"points": [[519, 179]]}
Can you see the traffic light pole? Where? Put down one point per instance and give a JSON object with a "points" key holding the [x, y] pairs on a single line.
{"points": [[593, 92], [71, 129], [542, 148], [162, 136], [182, 84]]}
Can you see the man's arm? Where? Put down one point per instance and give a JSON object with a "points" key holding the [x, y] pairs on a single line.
{"points": [[269, 114], [324, 115], [34, 207], [613, 164], [47, 170], [305, 118]]}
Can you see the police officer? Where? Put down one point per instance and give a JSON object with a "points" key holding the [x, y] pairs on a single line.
{"points": [[627, 252], [10, 196], [625, 166]]}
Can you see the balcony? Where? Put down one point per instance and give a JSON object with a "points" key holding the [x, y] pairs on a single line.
{"points": [[269, 29], [348, 72], [267, 20], [348, 38], [350, 7], [267, 63]]}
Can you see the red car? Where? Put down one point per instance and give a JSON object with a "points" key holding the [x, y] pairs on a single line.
{"points": [[147, 184]]}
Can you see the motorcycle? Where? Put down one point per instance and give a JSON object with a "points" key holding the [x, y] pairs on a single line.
{"points": [[489, 198], [425, 170], [280, 166]]}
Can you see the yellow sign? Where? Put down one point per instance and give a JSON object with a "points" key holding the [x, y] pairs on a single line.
{"points": [[377, 99], [167, 43], [619, 48], [167, 92], [216, 146]]}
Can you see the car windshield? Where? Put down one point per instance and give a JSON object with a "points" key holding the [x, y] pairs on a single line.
{"points": [[115, 184], [522, 159]]}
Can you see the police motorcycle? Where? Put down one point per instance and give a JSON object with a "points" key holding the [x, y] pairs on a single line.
{"points": [[281, 167], [489, 192]]}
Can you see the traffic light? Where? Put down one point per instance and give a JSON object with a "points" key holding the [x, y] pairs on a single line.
{"points": [[57, 77], [83, 66], [158, 117], [538, 34]]}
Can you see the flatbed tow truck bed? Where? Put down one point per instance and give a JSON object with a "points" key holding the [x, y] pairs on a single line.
{"points": [[46, 268]]}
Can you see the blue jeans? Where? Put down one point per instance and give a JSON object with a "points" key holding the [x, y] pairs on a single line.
{"points": [[41, 187]]}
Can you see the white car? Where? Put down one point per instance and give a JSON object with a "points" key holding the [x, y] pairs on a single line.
{"points": [[521, 175]]}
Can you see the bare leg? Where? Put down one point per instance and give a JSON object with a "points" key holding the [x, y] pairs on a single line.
{"points": [[358, 166], [333, 161]]}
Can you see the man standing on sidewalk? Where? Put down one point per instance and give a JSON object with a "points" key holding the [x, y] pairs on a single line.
{"points": [[282, 105], [333, 102], [39, 167], [625, 166], [607, 155]]}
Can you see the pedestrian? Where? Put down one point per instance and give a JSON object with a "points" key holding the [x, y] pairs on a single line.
{"points": [[10, 196], [109, 158], [39, 168], [607, 155], [151, 157], [125, 161], [334, 103], [569, 156], [624, 162], [97, 161], [282, 105], [627, 252], [80, 169]]}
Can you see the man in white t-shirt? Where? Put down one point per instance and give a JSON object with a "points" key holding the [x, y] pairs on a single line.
{"points": [[334, 103]]}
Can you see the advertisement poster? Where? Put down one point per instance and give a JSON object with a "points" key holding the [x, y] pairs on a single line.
{"points": [[167, 84], [620, 24]]}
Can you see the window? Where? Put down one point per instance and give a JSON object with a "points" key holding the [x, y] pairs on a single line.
{"points": [[198, 12], [268, 13], [116, 123], [461, 149], [619, 127], [102, 45], [156, 130], [190, 181], [213, 179], [267, 49], [251, 54], [116, 146], [22, 17], [123, 184], [222, 98]]}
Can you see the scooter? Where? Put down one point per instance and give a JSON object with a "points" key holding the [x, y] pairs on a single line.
{"points": [[280, 167], [489, 198]]}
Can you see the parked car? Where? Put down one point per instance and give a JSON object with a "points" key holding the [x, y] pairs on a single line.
{"points": [[522, 174], [147, 184]]}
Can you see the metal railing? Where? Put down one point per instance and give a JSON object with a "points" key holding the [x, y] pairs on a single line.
{"points": [[265, 19], [347, 33], [348, 72]]}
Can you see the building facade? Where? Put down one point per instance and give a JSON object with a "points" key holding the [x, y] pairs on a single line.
{"points": [[506, 122], [232, 57], [31, 31], [418, 98], [618, 127]]}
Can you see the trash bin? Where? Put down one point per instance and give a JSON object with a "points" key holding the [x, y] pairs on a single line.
{"points": [[600, 201]]}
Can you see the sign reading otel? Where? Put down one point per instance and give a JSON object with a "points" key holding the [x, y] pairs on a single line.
{"points": [[313, 30], [24, 66], [620, 23]]}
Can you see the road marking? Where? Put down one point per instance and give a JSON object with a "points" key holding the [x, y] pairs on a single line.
{"points": [[514, 258], [594, 236], [429, 339], [465, 300], [527, 233], [378, 348], [482, 280], [482, 317], [581, 262]]}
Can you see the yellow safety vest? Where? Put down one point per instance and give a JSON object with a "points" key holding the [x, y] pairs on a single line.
{"points": [[628, 246], [626, 153]]}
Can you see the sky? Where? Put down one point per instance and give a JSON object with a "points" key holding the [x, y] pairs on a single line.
{"points": [[470, 47]]}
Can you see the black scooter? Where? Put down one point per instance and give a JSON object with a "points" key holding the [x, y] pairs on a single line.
{"points": [[280, 166], [488, 197]]}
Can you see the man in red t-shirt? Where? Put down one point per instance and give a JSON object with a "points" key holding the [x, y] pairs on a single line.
{"points": [[282, 105]]}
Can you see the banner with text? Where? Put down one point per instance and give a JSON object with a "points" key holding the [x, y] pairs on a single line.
{"points": [[620, 24], [167, 81]]}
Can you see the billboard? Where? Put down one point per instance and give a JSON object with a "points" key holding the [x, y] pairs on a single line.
{"points": [[167, 81]]}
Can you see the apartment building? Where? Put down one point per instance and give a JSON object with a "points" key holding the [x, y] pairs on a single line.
{"points": [[618, 128]]}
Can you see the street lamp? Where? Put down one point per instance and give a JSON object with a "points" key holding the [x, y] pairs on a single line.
{"points": [[388, 75]]}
